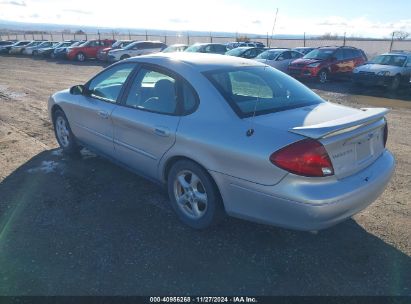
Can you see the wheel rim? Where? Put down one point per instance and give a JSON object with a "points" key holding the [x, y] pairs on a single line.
{"points": [[190, 194], [323, 77], [62, 132], [80, 57]]}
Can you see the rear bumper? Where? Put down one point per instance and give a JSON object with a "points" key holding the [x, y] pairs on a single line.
{"points": [[304, 203]]}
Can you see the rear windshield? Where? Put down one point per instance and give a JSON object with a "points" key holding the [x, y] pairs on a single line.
{"points": [[260, 90], [393, 60]]}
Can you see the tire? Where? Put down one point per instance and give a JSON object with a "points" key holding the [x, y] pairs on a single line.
{"points": [[53, 56], [124, 57], [395, 83], [323, 76], [34, 53], [81, 57], [194, 195], [64, 136]]}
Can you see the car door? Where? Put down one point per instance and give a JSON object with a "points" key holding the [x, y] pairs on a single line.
{"points": [[91, 116], [146, 122], [338, 65], [282, 61]]}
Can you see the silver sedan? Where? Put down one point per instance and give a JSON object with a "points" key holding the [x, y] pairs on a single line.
{"points": [[232, 136]]}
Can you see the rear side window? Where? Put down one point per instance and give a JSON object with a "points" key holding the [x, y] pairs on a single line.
{"points": [[260, 89], [220, 48]]}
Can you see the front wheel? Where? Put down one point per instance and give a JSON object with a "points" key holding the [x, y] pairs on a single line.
{"points": [[63, 133], [323, 76], [80, 57], [194, 195], [52, 55]]}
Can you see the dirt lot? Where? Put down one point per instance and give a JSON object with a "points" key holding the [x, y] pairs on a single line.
{"points": [[84, 226]]}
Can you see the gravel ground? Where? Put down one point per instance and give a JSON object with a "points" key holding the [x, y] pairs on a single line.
{"points": [[83, 226]]}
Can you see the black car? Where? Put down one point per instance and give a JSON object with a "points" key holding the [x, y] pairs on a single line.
{"points": [[245, 52], [4, 49], [47, 52], [60, 52], [7, 42]]}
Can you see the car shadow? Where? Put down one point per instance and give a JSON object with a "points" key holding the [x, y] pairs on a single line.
{"points": [[347, 87], [83, 226]]}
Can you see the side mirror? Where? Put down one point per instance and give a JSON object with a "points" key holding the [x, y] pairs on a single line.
{"points": [[77, 89]]}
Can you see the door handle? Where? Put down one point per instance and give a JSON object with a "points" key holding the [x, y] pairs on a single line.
{"points": [[161, 131], [103, 114]]}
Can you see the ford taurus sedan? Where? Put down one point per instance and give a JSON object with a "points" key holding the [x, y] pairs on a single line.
{"points": [[228, 135]]}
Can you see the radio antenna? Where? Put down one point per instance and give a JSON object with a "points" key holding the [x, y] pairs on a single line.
{"points": [[275, 21]]}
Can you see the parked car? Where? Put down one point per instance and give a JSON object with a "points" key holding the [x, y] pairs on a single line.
{"points": [[137, 48], [278, 58], [390, 70], [48, 51], [214, 48], [232, 136], [61, 52], [88, 50], [34, 50], [6, 42], [245, 52], [4, 49], [327, 62], [175, 48], [304, 50], [119, 44], [18, 49]]}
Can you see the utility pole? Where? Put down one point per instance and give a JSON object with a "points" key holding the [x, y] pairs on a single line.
{"points": [[275, 21], [392, 41]]}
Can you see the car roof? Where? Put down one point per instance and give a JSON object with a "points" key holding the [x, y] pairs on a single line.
{"points": [[199, 61]]}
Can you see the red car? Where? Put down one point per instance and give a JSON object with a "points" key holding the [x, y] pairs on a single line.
{"points": [[327, 62], [89, 49]]}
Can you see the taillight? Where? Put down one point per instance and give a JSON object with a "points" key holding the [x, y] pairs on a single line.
{"points": [[385, 133], [307, 157]]}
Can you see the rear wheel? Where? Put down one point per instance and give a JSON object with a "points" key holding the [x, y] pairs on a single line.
{"points": [[35, 53], [124, 57], [194, 195], [63, 133], [80, 57], [323, 76]]}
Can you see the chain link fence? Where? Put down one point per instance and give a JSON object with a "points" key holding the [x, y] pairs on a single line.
{"points": [[371, 47]]}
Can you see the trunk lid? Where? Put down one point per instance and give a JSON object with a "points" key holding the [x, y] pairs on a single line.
{"points": [[353, 138]]}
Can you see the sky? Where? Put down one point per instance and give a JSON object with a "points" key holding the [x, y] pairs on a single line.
{"points": [[364, 18]]}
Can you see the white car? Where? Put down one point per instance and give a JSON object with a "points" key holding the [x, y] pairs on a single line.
{"points": [[137, 48]]}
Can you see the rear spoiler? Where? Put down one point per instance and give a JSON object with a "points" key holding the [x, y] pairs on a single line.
{"points": [[365, 117]]}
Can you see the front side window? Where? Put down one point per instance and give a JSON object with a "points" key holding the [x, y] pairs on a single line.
{"points": [[108, 84], [394, 60], [153, 91], [339, 54], [260, 90]]}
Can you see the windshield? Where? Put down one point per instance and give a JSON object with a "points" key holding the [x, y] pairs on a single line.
{"points": [[261, 89], [193, 48], [236, 51], [394, 60], [319, 54], [268, 55]]}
